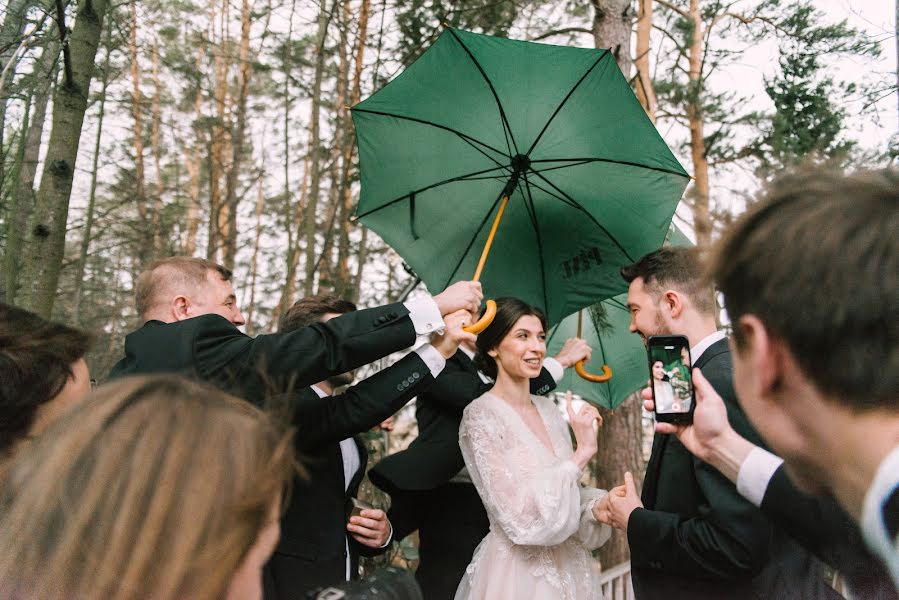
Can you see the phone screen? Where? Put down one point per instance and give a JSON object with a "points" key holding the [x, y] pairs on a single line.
{"points": [[670, 370]]}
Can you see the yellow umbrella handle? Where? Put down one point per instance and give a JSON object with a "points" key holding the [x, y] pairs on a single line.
{"points": [[490, 313], [606, 373], [579, 365]]}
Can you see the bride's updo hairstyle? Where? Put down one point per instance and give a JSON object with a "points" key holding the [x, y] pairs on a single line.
{"points": [[508, 311]]}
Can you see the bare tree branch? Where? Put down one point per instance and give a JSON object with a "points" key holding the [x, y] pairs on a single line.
{"points": [[562, 31], [64, 40]]}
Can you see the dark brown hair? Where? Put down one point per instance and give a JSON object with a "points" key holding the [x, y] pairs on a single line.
{"points": [[677, 268], [311, 309], [173, 273], [508, 311], [817, 261], [36, 358]]}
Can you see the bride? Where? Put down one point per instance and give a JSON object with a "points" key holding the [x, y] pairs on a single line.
{"points": [[518, 452]]}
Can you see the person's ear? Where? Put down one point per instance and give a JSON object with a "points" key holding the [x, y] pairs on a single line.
{"points": [[672, 303], [765, 355], [181, 308], [492, 353]]}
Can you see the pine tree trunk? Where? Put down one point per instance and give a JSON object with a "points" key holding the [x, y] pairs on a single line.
{"points": [[310, 224], [702, 222], [232, 198], [644, 89], [217, 216], [621, 437], [46, 237], [145, 233], [24, 197], [612, 23], [193, 162], [89, 214], [254, 259], [155, 125]]}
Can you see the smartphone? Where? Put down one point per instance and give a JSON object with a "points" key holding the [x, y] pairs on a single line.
{"points": [[354, 507], [670, 371]]}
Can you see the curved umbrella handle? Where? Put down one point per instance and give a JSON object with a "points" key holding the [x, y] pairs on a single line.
{"points": [[486, 320], [606, 373]]}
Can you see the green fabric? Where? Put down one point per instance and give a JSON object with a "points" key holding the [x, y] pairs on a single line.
{"points": [[607, 332], [435, 153]]}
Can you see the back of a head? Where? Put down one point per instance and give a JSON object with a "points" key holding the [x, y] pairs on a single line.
{"points": [[155, 487], [36, 358], [311, 309], [676, 268], [508, 311], [168, 277], [817, 261]]}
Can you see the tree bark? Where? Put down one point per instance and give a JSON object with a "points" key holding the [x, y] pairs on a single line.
{"points": [[315, 150], [254, 259], [89, 214], [193, 162], [644, 89], [702, 222], [217, 217], [24, 197], [155, 126], [145, 234], [612, 29], [621, 437], [237, 139], [46, 238]]}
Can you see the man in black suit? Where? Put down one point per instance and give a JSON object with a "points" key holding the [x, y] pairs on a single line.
{"points": [[809, 278], [190, 317], [691, 534], [429, 488], [318, 547]]}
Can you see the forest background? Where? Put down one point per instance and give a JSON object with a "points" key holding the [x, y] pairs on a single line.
{"points": [[219, 128]]}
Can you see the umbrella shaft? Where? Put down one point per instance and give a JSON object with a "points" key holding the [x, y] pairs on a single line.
{"points": [[499, 216]]}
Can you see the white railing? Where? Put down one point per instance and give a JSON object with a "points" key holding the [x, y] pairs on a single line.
{"points": [[616, 582]]}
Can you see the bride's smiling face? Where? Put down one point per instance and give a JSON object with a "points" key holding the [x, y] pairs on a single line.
{"points": [[521, 352]]}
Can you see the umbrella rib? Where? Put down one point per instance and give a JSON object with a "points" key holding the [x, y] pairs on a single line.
{"points": [[586, 212], [565, 99], [473, 238], [580, 161], [502, 112], [532, 213], [464, 136], [465, 177]]}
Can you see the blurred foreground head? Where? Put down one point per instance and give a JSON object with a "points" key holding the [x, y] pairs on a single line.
{"points": [[155, 487], [810, 278], [42, 373]]}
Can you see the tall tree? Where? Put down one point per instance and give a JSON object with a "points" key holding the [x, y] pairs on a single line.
{"points": [[46, 237]]}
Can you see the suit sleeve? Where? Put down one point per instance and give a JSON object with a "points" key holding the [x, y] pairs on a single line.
{"points": [[362, 406], [302, 357], [728, 538]]}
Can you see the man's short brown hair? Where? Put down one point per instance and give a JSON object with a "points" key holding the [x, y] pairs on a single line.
{"points": [[673, 268], [183, 272], [817, 261], [311, 309], [36, 358]]}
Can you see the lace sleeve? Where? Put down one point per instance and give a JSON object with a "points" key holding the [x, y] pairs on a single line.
{"points": [[535, 505], [591, 532]]}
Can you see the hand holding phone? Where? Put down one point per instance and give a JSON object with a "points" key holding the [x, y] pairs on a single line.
{"points": [[672, 382]]}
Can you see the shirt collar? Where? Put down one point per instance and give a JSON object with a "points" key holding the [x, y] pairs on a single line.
{"points": [[704, 344], [467, 352], [320, 392], [872, 522]]}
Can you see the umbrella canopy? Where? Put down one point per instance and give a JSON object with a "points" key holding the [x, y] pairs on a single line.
{"points": [[607, 332], [592, 186]]}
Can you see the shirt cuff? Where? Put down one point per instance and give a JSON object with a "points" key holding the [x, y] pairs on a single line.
{"points": [[755, 474], [389, 537], [554, 367], [432, 358], [425, 315]]}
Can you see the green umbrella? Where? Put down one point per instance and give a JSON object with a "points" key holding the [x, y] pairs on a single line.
{"points": [[606, 329], [590, 183]]}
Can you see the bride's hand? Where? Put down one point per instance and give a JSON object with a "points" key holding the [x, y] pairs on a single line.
{"points": [[585, 423]]}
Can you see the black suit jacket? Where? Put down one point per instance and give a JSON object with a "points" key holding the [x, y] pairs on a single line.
{"points": [[212, 349], [312, 552], [696, 537], [450, 517], [826, 530]]}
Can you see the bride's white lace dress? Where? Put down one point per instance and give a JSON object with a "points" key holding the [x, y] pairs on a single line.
{"points": [[541, 525]]}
